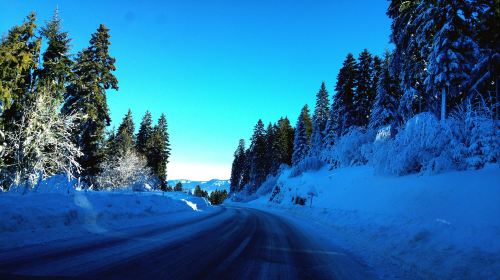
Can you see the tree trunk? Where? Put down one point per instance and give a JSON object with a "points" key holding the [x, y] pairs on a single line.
{"points": [[443, 105]]}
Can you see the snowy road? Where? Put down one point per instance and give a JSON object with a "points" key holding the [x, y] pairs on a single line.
{"points": [[226, 243]]}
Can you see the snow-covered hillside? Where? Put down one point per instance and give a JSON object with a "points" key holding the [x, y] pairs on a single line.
{"points": [[443, 226], [209, 186]]}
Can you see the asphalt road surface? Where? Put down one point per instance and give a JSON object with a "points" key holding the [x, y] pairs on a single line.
{"points": [[229, 243]]}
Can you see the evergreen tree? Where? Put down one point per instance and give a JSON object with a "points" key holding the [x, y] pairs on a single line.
{"points": [[272, 163], [57, 64], [125, 139], [301, 142], [178, 187], [320, 118], [144, 135], [87, 94], [453, 50], [284, 142], [258, 157], [238, 167], [160, 150], [384, 111], [364, 93], [19, 52], [342, 115], [245, 176]]}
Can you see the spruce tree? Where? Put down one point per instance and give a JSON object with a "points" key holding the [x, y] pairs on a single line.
{"points": [[258, 157], [320, 118], [342, 114], [125, 138], [144, 134], [57, 63], [301, 142], [364, 93], [92, 76], [284, 142], [238, 167], [384, 110], [160, 150]]}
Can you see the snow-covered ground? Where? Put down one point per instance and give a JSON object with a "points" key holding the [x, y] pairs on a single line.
{"points": [[58, 213], [443, 226]]}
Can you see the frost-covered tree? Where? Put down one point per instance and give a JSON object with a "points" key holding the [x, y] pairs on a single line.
{"points": [[320, 118], [384, 110], [39, 145], [301, 142], [92, 76], [453, 51], [126, 171]]}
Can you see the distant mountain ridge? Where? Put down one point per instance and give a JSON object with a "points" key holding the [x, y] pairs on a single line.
{"points": [[209, 186]]}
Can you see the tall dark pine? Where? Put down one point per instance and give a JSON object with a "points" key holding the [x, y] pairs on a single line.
{"points": [[384, 110], [342, 114], [301, 142], [320, 118], [57, 63], [92, 76], [125, 138], [144, 134], [160, 150], [271, 149], [364, 93], [238, 167], [258, 157], [284, 141]]}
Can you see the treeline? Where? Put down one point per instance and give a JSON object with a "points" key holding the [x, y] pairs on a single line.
{"points": [[54, 114], [430, 104]]}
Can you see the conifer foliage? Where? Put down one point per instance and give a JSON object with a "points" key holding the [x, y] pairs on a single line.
{"points": [[54, 114]]}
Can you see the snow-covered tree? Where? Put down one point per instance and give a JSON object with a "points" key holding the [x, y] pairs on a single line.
{"points": [[40, 144], [320, 118], [301, 142], [384, 110], [127, 171], [453, 51], [364, 91]]}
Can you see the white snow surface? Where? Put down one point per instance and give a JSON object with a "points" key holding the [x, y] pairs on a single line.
{"points": [[60, 212], [443, 226]]}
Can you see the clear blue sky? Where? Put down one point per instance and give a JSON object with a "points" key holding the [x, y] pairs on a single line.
{"points": [[216, 67]]}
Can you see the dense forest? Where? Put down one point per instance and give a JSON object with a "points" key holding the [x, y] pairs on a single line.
{"points": [[429, 105], [54, 114]]}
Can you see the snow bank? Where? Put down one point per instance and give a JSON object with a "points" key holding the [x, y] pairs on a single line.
{"points": [[45, 215], [442, 226]]}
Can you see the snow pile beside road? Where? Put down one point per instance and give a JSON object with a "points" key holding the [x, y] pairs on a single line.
{"points": [[44, 215], [415, 226]]}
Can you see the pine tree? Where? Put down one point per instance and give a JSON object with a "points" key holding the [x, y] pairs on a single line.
{"points": [[19, 52], [384, 110], [409, 59], [258, 157], [57, 64], [272, 163], [301, 142], [342, 114], [320, 119], [364, 93], [92, 76], [160, 150], [238, 167], [144, 134], [125, 138], [453, 51], [284, 142]]}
